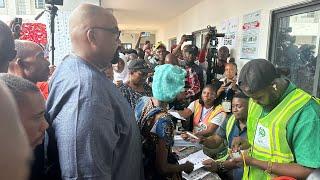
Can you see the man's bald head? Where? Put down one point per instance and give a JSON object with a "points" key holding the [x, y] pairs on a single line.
{"points": [[7, 52], [94, 34], [88, 15], [15, 151], [171, 59]]}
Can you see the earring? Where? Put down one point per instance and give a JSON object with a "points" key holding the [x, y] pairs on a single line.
{"points": [[275, 87]]}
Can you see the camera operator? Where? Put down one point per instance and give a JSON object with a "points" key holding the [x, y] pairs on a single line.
{"points": [[194, 80], [222, 59], [146, 51], [15, 26], [223, 55], [159, 55], [177, 50], [201, 56]]}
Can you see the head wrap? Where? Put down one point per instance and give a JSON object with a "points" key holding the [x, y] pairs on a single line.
{"points": [[168, 82]]}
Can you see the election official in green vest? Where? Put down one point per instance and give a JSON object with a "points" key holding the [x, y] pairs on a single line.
{"points": [[283, 125], [235, 126]]}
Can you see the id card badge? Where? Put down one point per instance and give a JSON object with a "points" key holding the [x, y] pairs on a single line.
{"points": [[226, 104], [262, 137]]}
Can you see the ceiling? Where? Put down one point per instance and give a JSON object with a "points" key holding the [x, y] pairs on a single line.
{"points": [[146, 14]]}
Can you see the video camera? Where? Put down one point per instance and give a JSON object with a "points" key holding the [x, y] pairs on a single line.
{"points": [[16, 27], [213, 33], [212, 54]]}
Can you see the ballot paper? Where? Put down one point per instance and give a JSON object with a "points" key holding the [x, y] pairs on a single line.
{"points": [[195, 175], [176, 115], [180, 142], [196, 158]]}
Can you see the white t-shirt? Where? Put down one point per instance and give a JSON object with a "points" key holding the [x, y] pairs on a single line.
{"points": [[218, 119]]}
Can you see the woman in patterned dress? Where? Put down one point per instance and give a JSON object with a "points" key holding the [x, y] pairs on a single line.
{"points": [[156, 125]]}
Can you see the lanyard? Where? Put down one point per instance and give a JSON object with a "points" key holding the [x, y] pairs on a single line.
{"points": [[204, 115]]}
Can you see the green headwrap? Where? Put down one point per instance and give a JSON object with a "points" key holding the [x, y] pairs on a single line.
{"points": [[168, 82]]}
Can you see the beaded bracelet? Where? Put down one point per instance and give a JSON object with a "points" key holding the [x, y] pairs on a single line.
{"points": [[269, 169]]}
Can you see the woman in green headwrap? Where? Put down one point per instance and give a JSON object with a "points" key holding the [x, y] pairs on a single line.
{"points": [[156, 124]]}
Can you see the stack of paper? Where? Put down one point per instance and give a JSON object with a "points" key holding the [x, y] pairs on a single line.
{"points": [[195, 175], [196, 158], [198, 172], [178, 141]]}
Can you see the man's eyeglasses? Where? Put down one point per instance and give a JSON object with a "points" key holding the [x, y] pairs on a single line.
{"points": [[111, 30]]}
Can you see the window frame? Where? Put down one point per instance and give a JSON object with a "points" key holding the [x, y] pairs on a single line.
{"points": [[36, 4], [4, 4], [297, 9], [202, 33], [171, 42]]}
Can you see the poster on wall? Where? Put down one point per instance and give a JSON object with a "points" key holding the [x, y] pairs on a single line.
{"points": [[251, 27], [230, 28]]}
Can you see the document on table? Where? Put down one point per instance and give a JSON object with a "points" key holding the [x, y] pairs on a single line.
{"points": [[178, 141], [195, 175], [196, 158], [176, 115]]}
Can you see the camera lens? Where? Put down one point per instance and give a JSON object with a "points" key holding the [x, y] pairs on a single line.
{"points": [[16, 28]]}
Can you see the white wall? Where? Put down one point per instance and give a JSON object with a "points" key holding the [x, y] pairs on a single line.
{"points": [[133, 36], [69, 5], [213, 12], [9, 7]]}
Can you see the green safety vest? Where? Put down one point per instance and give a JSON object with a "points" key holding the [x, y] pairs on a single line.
{"points": [[230, 124], [268, 135]]}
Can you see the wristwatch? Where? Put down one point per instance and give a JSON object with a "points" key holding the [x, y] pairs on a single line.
{"points": [[221, 167]]}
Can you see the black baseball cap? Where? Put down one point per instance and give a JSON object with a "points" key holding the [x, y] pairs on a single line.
{"points": [[257, 74], [140, 65]]}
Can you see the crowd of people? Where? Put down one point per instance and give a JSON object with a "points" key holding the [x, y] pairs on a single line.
{"points": [[104, 113]]}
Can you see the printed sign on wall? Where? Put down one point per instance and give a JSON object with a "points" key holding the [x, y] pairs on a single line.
{"points": [[230, 28], [251, 27]]}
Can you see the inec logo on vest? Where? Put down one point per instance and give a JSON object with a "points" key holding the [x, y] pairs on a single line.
{"points": [[262, 137], [201, 127], [262, 133]]}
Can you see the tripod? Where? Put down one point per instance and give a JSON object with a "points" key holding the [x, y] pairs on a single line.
{"points": [[212, 56], [52, 9], [213, 53]]}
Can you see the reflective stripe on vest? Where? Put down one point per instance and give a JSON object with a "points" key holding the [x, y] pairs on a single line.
{"points": [[230, 124], [268, 135], [197, 114]]}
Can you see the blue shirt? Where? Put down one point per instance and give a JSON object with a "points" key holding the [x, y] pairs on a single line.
{"points": [[235, 132], [96, 133]]}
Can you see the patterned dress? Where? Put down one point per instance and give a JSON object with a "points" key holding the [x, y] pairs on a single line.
{"points": [[133, 96], [152, 130]]}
